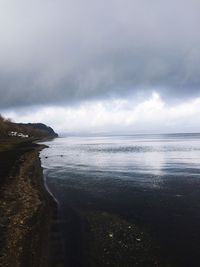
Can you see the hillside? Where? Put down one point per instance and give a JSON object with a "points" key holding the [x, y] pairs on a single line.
{"points": [[25, 130], [39, 127]]}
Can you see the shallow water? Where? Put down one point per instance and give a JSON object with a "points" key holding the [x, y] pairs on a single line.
{"points": [[150, 180]]}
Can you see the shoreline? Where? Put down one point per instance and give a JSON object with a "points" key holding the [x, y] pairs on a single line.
{"points": [[27, 210]]}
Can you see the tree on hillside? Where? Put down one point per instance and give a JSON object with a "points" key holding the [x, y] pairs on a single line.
{"points": [[6, 126], [3, 127]]}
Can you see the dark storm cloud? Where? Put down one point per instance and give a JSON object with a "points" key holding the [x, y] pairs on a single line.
{"points": [[67, 51]]}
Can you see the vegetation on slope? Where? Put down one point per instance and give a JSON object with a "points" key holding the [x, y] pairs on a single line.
{"points": [[35, 130]]}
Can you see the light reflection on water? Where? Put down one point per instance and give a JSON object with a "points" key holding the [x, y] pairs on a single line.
{"points": [[127, 157], [149, 180]]}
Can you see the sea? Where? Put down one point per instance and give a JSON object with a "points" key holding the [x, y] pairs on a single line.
{"points": [[152, 181]]}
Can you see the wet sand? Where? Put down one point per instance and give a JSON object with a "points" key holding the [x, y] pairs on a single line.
{"points": [[25, 207]]}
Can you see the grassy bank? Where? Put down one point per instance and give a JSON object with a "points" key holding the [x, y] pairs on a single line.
{"points": [[25, 207]]}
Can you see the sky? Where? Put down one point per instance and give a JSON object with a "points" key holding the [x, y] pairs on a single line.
{"points": [[101, 66]]}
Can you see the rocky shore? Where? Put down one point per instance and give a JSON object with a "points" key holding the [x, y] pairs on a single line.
{"points": [[26, 209]]}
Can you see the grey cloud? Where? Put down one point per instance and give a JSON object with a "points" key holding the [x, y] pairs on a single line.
{"points": [[66, 51]]}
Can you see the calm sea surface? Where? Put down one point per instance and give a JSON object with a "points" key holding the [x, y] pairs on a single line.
{"points": [[150, 180]]}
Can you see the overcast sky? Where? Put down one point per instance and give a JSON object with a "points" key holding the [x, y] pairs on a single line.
{"points": [[109, 65]]}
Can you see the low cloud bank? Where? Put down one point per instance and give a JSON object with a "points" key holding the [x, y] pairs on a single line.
{"points": [[121, 115]]}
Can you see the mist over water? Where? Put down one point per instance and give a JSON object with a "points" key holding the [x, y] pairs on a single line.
{"points": [[151, 180]]}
